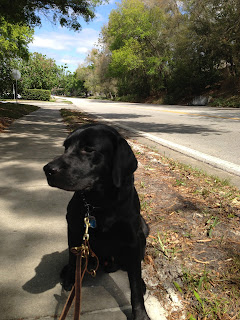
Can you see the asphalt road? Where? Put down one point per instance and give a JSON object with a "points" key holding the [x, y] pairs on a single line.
{"points": [[208, 134]]}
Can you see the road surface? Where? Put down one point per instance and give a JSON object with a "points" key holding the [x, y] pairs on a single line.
{"points": [[207, 134]]}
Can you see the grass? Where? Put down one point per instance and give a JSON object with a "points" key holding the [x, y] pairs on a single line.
{"points": [[67, 101], [206, 185], [212, 223], [201, 289], [12, 111]]}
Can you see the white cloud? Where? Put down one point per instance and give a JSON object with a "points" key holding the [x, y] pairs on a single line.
{"points": [[99, 18], [82, 50], [44, 42], [65, 60], [68, 41]]}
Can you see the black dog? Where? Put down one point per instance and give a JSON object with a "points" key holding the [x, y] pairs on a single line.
{"points": [[98, 165]]}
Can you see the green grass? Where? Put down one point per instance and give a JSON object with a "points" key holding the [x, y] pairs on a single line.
{"points": [[200, 286]]}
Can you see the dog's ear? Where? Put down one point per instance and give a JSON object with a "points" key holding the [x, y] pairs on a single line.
{"points": [[124, 162]]}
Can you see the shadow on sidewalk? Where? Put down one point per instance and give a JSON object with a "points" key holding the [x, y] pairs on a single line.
{"points": [[47, 277]]}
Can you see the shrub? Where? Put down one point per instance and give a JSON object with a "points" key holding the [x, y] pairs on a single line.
{"points": [[231, 102], [36, 94], [128, 98]]}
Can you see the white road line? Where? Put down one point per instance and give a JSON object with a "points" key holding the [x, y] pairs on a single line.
{"points": [[213, 161]]}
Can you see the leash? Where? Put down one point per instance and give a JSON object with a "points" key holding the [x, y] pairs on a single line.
{"points": [[82, 253]]}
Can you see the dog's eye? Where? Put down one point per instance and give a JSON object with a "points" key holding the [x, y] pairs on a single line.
{"points": [[87, 149]]}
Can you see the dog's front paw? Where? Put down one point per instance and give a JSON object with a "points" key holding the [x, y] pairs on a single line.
{"points": [[67, 276], [110, 265]]}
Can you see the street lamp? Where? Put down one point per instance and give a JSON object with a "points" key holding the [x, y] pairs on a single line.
{"points": [[17, 76]]}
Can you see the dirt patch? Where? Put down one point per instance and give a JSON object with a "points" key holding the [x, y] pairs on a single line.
{"points": [[192, 262]]}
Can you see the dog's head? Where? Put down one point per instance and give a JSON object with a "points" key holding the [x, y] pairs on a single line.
{"points": [[93, 154]]}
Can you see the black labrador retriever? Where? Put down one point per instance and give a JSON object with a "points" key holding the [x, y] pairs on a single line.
{"points": [[98, 165]]}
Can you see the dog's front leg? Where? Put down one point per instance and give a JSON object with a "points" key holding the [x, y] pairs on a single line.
{"points": [[68, 272], [137, 288]]}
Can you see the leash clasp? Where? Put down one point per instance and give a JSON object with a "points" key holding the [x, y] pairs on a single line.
{"points": [[87, 224]]}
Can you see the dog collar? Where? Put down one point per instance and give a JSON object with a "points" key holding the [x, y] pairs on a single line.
{"points": [[89, 210]]}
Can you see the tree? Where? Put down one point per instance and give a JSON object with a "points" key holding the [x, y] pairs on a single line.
{"points": [[135, 35], [94, 74], [66, 12], [14, 40], [39, 72], [6, 81], [68, 84], [205, 47], [167, 47], [216, 25]]}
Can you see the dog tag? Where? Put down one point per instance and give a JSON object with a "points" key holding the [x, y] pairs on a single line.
{"points": [[93, 222]]}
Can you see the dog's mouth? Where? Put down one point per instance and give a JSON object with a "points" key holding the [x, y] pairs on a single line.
{"points": [[59, 179], [70, 187]]}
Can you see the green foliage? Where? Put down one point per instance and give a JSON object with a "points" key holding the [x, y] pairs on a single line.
{"points": [[66, 12], [68, 83], [39, 72], [126, 59], [36, 94], [177, 286], [14, 39], [206, 46], [233, 102], [139, 51], [6, 81], [172, 48], [95, 76]]}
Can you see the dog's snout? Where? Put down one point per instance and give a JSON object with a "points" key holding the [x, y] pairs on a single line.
{"points": [[50, 170]]}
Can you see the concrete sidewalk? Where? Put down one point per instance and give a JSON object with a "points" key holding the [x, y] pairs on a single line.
{"points": [[34, 235]]}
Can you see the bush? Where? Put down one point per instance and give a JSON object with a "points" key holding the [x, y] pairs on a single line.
{"points": [[128, 98], [36, 94], [230, 102]]}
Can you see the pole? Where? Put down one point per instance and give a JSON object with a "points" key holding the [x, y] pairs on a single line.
{"points": [[16, 90]]}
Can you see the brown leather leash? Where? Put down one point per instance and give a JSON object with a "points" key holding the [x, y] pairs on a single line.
{"points": [[81, 253]]}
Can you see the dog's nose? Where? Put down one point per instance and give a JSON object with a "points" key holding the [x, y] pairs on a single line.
{"points": [[50, 170]]}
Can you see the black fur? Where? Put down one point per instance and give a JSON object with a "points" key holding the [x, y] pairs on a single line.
{"points": [[98, 165]]}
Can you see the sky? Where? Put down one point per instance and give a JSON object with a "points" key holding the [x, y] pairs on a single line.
{"points": [[66, 46]]}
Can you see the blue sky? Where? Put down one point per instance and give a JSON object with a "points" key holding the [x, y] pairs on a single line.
{"points": [[66, 46]]}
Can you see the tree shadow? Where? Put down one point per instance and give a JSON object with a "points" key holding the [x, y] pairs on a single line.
{"points": [[154, 127]]}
